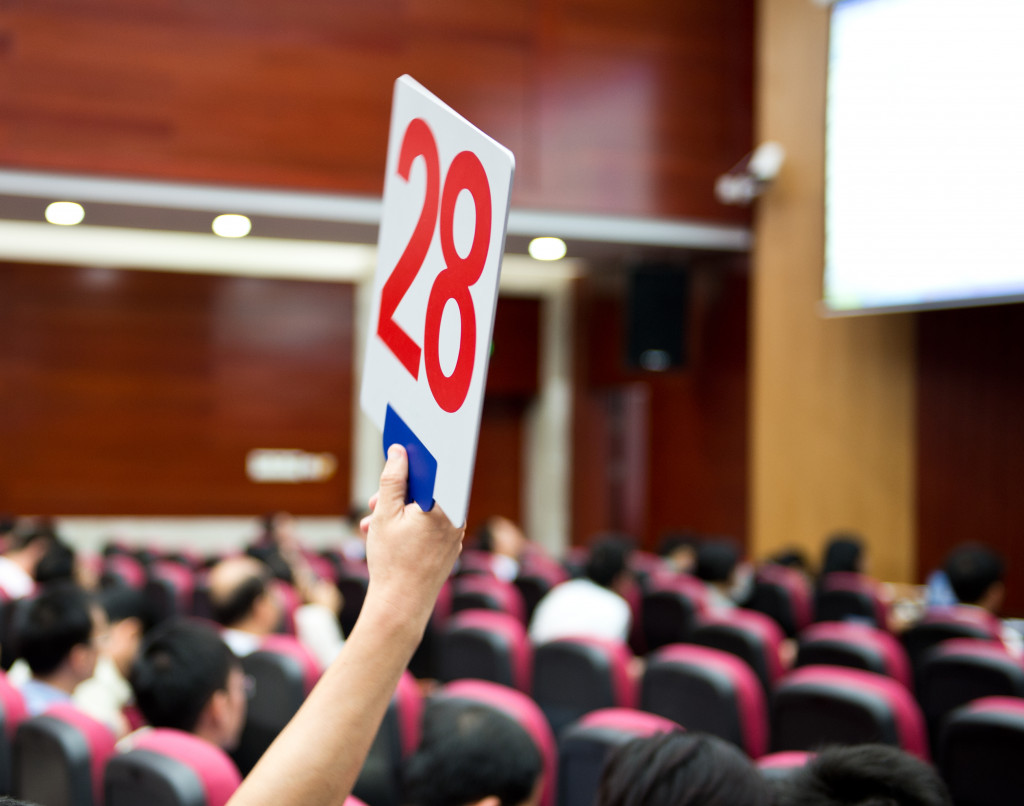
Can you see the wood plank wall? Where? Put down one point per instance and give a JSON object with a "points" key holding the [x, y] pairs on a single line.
{"points": [[624, 108]]}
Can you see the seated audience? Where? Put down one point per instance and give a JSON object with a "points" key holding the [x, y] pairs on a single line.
{"points": [[243, 601], [108, 693], [472, 754], [719, 566], [58, 634], [187, 678], [592, 605], [678, 552], [975, 575], [19, 562], [505, 542], [681, 769], [863, 775]]}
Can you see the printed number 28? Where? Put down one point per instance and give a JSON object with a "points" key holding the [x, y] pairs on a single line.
{"points": [[465, 173]]}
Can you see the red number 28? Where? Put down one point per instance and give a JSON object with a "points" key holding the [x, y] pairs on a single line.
{"points": [[465, 173]]}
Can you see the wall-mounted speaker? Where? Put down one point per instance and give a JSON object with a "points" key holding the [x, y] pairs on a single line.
{"points": [[658, 317]]}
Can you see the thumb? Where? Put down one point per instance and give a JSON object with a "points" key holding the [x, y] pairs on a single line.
{"points": [[393, 483]]}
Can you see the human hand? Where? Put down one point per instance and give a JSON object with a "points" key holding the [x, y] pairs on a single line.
{"points": [[409, 553]]}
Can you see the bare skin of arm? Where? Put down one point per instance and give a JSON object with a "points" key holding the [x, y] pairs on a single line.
{"points": [[317, 757]]}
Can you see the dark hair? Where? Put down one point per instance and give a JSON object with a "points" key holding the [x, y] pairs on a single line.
{"points": [[485, 537], [122, 602], [972, 569], [716, 560], [790, 558], [673, 541], [863, 775], [50, 625], [270, 555], [607, 559], [57, 564], [24, 539], [181, 664], [680, 769], [238, 603], [470, 751], [844, 552]]}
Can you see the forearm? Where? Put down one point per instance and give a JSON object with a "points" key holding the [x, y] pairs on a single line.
{"points": [[316, 759]]}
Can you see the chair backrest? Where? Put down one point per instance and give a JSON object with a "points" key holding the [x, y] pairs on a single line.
{"points": [[785, 595], [537, 575], [751, 636], [573, 676], [59, 758], [292, 647], [166, 767], [942, 624], [960, 670], [980, 752], [707, 690], [487, 645], [858, 646], [290, 601], [12, 713], [585, 745], [123, 569], [396, 739], [280, 687], [526, 712], [670, 608], [848, 596], [817, 705], [352, 586], [181, 579], [485, 592]]}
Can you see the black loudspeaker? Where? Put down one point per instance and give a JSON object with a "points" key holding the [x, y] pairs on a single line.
{"points": [[658, 318]]}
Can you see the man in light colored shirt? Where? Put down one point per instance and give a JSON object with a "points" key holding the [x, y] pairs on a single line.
{"points": [[592, 606], [59, 635]]}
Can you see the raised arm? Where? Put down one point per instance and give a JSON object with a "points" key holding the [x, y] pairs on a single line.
{"points": [[317, 757]]}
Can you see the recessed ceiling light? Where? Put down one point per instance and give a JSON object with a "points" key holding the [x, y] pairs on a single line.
{"points": [[65, 213], [547, 248], [231, 226]]}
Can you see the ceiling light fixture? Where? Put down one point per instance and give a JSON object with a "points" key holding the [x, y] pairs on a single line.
{"points": [[547, 249], [65, 213], [230, 225]]}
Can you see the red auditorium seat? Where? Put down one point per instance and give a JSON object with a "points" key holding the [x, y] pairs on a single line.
{"points": [[670, 608], [586, 743], [848, 596], [397, 738], [817, 705], [960, 670], [483, 592], [537, 575], [525, 711], [12, 713], [980, 752], [710, 691], [486, 645], [751, 636], [573, 676], [284, 672], [123, 569], [784, 594], [943, 623], [858, 646], [166, 767], [59, 758]]}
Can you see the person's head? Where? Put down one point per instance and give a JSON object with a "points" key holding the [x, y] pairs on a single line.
{"points": [[186, 678], [241, 596], [863, 775], [679, 551], [790, 558], [843, 552], [717, 561], [680, 769], [59, 633], [975, 574], [130, 617], [499, 535], [472, 754], [57, 564], [608, 561], [27, 548]]}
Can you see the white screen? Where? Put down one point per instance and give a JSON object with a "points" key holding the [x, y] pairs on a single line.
{"points": [[924, 154]]}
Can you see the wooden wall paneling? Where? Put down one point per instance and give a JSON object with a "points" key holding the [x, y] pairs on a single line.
{"points": [[970, 437], [832, 399], [609, 108], [140, 393], [690, 423]]}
